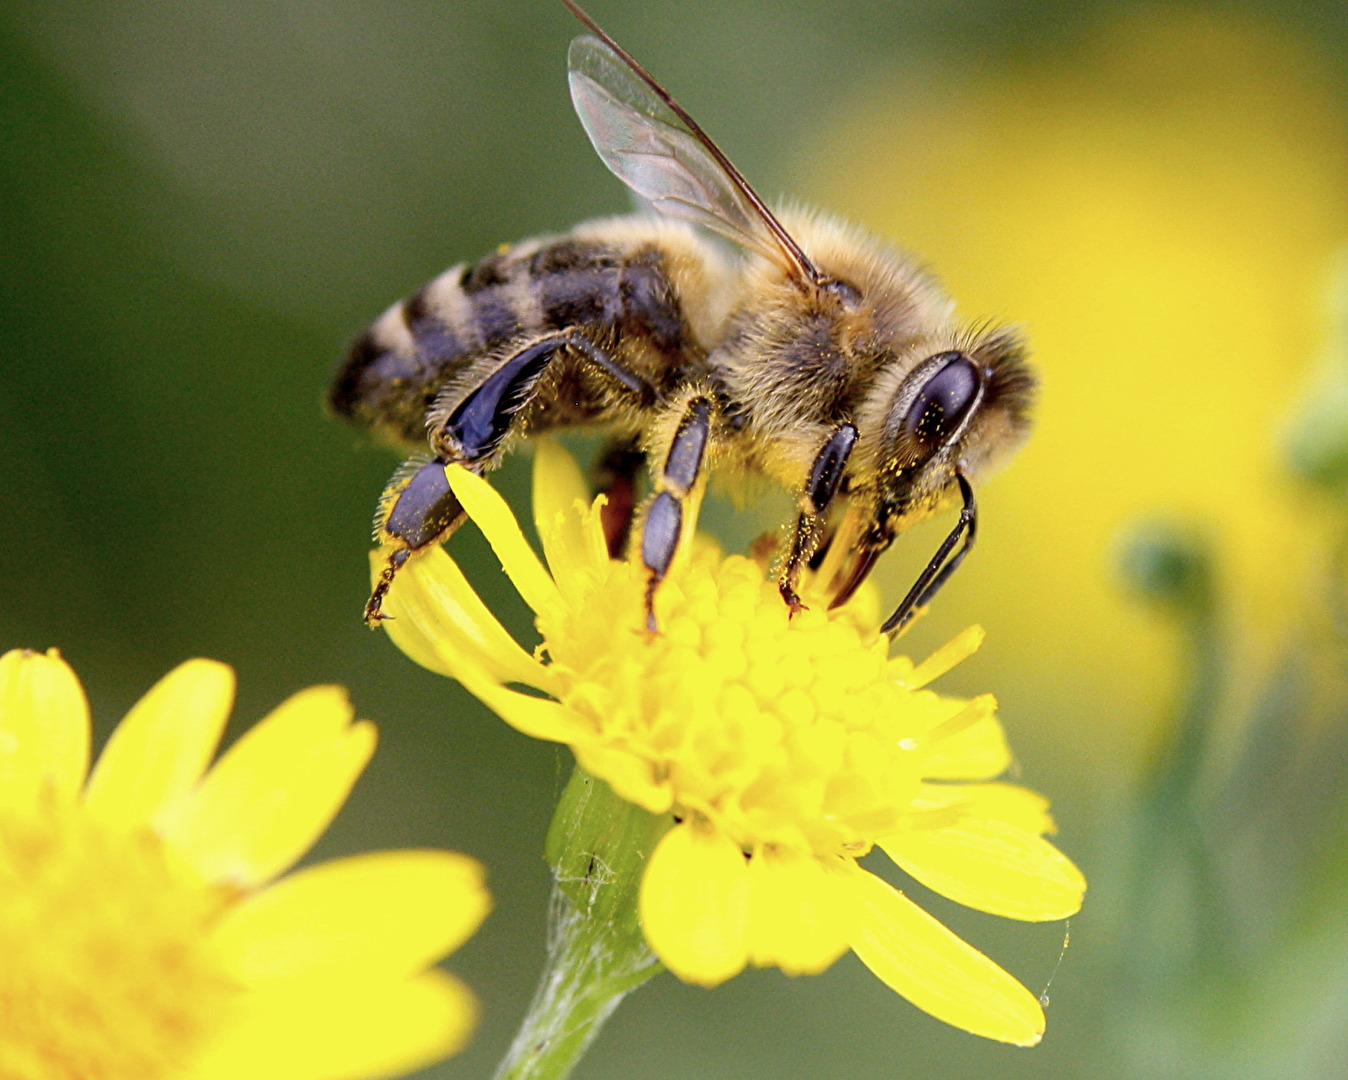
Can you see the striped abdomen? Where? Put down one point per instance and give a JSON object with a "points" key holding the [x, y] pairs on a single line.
{"points": [[466, 322]]}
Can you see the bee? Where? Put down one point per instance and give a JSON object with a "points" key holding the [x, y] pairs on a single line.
{"points": [[812, 354]]}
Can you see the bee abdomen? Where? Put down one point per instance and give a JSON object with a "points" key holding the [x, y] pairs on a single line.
{"points": [[395, 370], [383, 384]]}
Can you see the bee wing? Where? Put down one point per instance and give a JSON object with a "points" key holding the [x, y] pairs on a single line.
{"points": [[647, 140]]}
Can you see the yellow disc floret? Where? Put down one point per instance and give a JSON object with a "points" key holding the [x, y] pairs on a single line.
{"points": [[789, 731], [106, 972]]}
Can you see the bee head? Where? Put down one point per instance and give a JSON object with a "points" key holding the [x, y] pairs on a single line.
{"points": [[962, 407], [958, 410]]}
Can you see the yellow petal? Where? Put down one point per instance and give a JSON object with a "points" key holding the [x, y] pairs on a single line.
{"points": [[389, 914], [502, 531], [163, 746], [557, 482], [689, 537], [274, 792], [349, 1029], [797, 920], [1010, 803], [630, 775], [44, 727], [992, 866], [561, 501], [439, 621], [536, 717], [970, 745], [916, 956], [954, 652], [694, 904], [568, 518]]}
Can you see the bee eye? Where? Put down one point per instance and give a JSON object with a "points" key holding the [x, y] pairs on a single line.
{"points": [[941, 404]]}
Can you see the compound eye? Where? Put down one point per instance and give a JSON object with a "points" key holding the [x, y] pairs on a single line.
{"points": [[942, 404]]}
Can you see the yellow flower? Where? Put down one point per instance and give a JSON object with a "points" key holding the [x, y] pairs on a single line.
{"points": [[144, 933], [782, 749]]}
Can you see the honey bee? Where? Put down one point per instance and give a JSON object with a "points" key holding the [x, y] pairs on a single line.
{"points": [[814, 355]]}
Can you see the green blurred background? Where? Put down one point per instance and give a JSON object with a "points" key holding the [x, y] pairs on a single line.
{"points": [[203, 202]]}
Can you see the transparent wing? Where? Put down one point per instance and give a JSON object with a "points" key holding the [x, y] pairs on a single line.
{"points": [[656, 149]]}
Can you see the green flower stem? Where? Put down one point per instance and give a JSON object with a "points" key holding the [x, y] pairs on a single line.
{"points": [[597, 846]]}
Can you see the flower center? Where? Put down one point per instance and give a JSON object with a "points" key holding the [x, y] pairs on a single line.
{"points": [[795, 732], [106, 969]]}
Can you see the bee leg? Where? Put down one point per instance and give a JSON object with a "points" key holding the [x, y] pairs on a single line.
{"points": [[825, 478], [804, 539], [663, 525], [422, 510], [618, 469], [475, 428], [822, 548], [938, 571], [419, 508]]}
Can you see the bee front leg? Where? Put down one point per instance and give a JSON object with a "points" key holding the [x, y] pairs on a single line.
{"points": [[825, 478], [942, 564], [663, 524]]}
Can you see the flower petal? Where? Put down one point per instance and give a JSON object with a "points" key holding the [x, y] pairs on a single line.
{"points": [[539, 718], [954, 652], [914, 955], [274, 792], [44, 727], [969, 745], [494, 517], [797, 919], [439, 621], [559, 492], [627, 773], [347, 1029], [694, 904], [558, 483], [162, 746], [1015, 805], [992, 866], [390, 914]]}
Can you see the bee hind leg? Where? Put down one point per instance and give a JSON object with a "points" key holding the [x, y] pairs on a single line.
{"points": [[419, 509], [663, 523]]}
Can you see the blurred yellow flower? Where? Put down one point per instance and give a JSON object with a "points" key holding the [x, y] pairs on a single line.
{"points": [[143, 929], [783, 749], [1157, 204]]}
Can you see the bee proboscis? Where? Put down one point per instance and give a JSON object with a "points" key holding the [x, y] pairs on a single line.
{"points": [[817, 357]]}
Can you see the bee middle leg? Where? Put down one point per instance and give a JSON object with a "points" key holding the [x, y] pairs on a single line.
{"points": [[663, 524], [822, 485]]}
